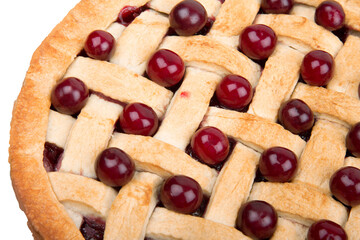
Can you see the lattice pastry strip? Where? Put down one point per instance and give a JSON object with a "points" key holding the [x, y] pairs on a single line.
{"points": [[249, 129], [165, 160], [300, 202], [304, 11], [277, 82], [301, 33], [131, 210], [89, 136], [165, 224], [140, 40], [288, 230], [329, 104], [188, 107], [233, 186], [59, 126], [324, 153], [119, 83]]}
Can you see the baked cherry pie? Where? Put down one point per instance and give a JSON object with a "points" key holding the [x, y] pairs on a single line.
{"points": [[193, 120]]}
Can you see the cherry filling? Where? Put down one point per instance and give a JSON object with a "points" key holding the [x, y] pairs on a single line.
{"points": [[277, 6], [326, 230], [92, 228], [330, 15], [52, 154], [208, 25], [128, 14]]}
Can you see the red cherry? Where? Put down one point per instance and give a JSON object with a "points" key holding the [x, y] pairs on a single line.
{"points": [[181, 194], [99, 45], [92, 228], [258, 41], [353, 140], [69, 96], [330, 15], [166, 68], [234, 92], [345, 185], [257, 219], [139, 119], [188, 17], [128, 14], [317, 68], [210, 145], [277, 6], [278, 164], [296, 116], [114, 167], [326, 230]]}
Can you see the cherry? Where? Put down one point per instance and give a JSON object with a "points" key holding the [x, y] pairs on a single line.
{"points": [[181, 194], [69, 96], [99, 45], [326, 230], [210, 145], [114, 167], [257, 219], [296, 116], [258, 41], [330, 15], [139, 119], [353, 140], [317, 68], [278, 164], [51, 156], [188, 17], [92, 228], [234, 92], [277, 6], [128, 14], [345, 185], [166, 68]]}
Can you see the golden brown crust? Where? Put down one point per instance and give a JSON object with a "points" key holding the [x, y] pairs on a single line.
{"points": [[290, 230], [29, 123]]}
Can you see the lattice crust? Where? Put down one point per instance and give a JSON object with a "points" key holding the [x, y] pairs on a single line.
{"points": [[233, 186], [323, 155], [329, 104], [59, 126], [250, 129], [188, 107], [288, 230], [119, 83], [347, 72], [300, 202], [132, 208], [140, 40], [304, 11], [165, 160], [211, 55], [165, 6], [165, 224], [277, 82], [301, 33], [82, 195]]}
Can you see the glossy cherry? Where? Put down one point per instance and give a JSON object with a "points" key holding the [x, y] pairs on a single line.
{"points": [[258, 41], [69, 96], [326, 230], [317, 68], [234, 92], [139, 119], [210, 145], [277, 6], [345, 185], [278, 164], [188, 17], [128, 14], [353, 140], [114, 167], [257, 219], [330, 15], [181, 194], [99, 45], [166, 68], [296, 116]]}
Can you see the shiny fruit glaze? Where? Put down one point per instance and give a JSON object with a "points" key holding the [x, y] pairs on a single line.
{"points": [[326, 230], [330, 15]]}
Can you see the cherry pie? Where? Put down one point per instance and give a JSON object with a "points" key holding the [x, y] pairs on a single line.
{"points": [[193, 120]]}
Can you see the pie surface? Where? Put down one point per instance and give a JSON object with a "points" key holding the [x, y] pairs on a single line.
{"points": [[63, 199]]}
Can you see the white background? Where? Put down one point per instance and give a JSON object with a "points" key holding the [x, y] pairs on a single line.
{"points": [[24, 24]]}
